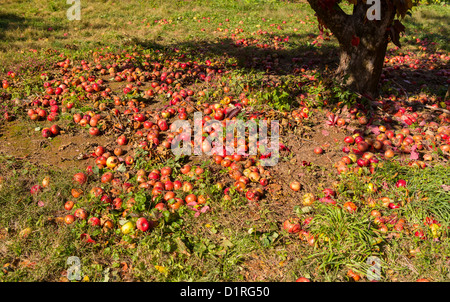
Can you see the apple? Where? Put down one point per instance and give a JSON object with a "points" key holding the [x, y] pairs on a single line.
{"points": [[127, 228], [69, 219], [291, 226], [94, 131], [129, 160], [46, 133], [55, 130], [142, 224], [177, 185], [94, 221], [363, 162], [318, 150], [112, 162], [295, 186], [329, 192], [122, 140], [80, 214], [166, 171], [349, 140], [69, 205], [362, 146], [401, 183], [162, 124]]}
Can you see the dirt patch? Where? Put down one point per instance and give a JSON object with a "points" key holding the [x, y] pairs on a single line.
{"points": [[65, 151], [300, 163]]}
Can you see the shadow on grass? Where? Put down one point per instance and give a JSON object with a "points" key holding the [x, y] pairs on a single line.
{"points": [[250, 57], [438, 23], [10, 21], [257, 57], [27, 28], [290, 61]]}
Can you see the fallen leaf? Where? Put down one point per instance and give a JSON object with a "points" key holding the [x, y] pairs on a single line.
{"points": [[161, 269], [124, 266], [27, 263], [182, 246], [445, 187], [274, 187], [374, 129], [191, 204], [25, 232], [205, 209], [414, 155]]}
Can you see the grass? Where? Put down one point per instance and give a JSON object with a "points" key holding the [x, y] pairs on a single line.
{"points": [[426, 25], [427, 199], [233, 242], [214, 249], [46, 24]]}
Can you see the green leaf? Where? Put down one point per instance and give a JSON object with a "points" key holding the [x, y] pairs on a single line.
{"points": [[166, 215], [226, 243], [121, 168], [140, 198], [96, 170], [274, 236]]}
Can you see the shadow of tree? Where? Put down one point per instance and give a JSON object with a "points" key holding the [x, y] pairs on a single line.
{"points": [[258, 56], [290, 60], [27, 28], [10, 21]]}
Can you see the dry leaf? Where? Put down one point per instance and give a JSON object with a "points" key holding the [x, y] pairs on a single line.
{"points": [[161, 269], [124, 266]]}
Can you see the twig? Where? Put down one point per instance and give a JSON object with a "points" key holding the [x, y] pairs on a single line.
{"points": [[410, 265], [437, 109], [401, 87]]}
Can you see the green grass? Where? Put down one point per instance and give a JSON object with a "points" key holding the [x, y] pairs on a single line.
{"points": [[427, 199], [426, 22], [107, 23]]}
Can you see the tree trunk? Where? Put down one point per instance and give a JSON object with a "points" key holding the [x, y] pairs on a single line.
{"points": [[363, 43], [360, 66]]}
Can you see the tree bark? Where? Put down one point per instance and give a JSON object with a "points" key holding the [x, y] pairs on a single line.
{"points": [[360, 66], [360, 63]]}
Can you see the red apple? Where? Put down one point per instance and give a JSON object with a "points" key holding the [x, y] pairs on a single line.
{"points": [[94, 131], [318, 150], [401, 183], [142, 224], [94, 221], [122, 140], [295, 186]]}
